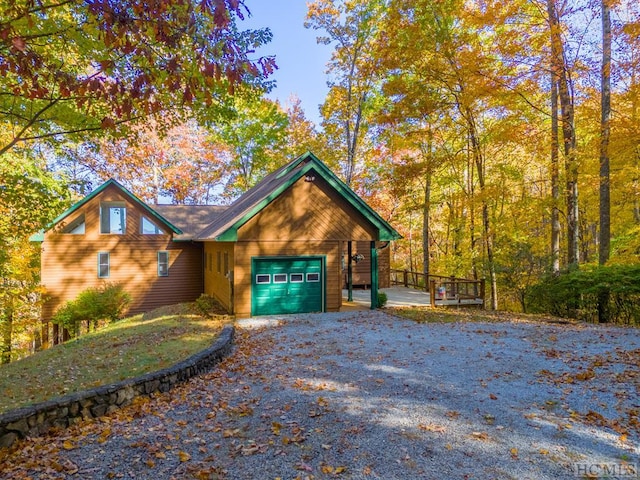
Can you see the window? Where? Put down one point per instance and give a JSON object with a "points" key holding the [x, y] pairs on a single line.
{"points": [[76, 227], [313, 277], [263, 278], [226, 263], [296, 277], [113, 218], [163, 264], [219, 262], [103, 265], [147, 227], [280, 278]]}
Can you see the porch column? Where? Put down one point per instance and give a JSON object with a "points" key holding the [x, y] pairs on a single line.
{"points": [[349, 273], [374, 276]]}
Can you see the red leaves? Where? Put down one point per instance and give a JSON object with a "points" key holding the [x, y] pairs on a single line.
{"points": [[19, 43]]}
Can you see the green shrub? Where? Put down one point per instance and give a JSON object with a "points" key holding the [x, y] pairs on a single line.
{"points": [[206, 304], [594, 293], [108, 302], [382, 299]]}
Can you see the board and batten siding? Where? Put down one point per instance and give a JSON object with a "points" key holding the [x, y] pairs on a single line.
{"points": [[217, 281], [70, 261], [308, 219]]}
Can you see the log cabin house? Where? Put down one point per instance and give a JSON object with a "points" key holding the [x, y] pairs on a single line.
{"points": [[282, 247]]}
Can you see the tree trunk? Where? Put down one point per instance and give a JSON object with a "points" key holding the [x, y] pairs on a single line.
{"points": [[426, 208], [486, 223], [560, 70], [7, 331], [605, 129], [555, 186]]}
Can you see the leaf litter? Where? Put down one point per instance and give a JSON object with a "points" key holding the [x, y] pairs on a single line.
{"points": [[366, 395]]}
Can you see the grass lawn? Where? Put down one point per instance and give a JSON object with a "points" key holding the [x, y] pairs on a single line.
{"points": [[124, 349]]}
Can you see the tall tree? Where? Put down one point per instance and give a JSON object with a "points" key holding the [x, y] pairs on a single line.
{"points": [[85, 67], [560, 70], [30, 199], [255, 137], [605, 132], [351, 25]]}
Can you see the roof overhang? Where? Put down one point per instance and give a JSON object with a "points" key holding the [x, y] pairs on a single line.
{"points": [[39, 236], [385, 231]]}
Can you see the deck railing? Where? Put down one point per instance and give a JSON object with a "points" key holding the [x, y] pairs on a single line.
{"points": [[443, 290]]}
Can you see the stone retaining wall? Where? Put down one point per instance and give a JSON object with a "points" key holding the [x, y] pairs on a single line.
{"points": [[64, 411]]}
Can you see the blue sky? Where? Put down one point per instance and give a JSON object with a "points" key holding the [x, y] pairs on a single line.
{"points": [[301, 61]]}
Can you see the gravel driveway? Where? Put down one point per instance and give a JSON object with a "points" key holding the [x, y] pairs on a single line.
{"points": [[368, 395]]}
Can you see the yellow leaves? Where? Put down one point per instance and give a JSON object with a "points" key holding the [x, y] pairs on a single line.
{"points": [[543, 451], [275, 428], [184, 456], [514, 452], [150, 463], [68, 445], [160, 455], [104, 436], [328, 469]]}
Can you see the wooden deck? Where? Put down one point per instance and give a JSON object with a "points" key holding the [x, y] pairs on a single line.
{"points": [[442, 290]]}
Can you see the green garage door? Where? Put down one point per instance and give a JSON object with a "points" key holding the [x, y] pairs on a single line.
{"points": [[286, 285]]}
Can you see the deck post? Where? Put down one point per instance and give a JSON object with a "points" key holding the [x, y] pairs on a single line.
{"points": [[374, 276], [432, 292], [482, 292], [405, 278], [349, 273]]}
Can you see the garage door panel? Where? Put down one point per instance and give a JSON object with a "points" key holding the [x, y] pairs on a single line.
{"points": [[294, 285]]}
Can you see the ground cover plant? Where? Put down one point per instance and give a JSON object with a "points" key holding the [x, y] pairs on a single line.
{"points": [[467, 314], [124, 349]]}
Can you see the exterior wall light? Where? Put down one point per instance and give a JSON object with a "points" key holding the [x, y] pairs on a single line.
{"points": [[309, 178], [357, 258]]}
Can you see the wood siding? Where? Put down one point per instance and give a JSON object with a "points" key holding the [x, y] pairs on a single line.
{"points": [[217, 281], [70, 262], [245, 251], [362, 269], [308, 219], [308, 211]]}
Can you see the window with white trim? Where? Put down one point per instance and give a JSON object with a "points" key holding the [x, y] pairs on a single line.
{"points": [[147, 227], [103, 265], [296, 277], [279, 278], [113, 218], [313, 277], [163, 264], [263, 278], [76, 227]]}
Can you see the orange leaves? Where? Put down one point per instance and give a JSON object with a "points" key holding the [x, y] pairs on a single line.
{"points": [[431, 428], [328, 469]]}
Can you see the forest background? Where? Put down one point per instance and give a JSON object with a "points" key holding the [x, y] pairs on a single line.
{"points": [[501, 139]]}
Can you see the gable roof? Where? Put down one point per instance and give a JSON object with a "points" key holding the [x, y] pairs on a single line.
{"points": [[39, 237], [191, 219], [256, 199]]}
